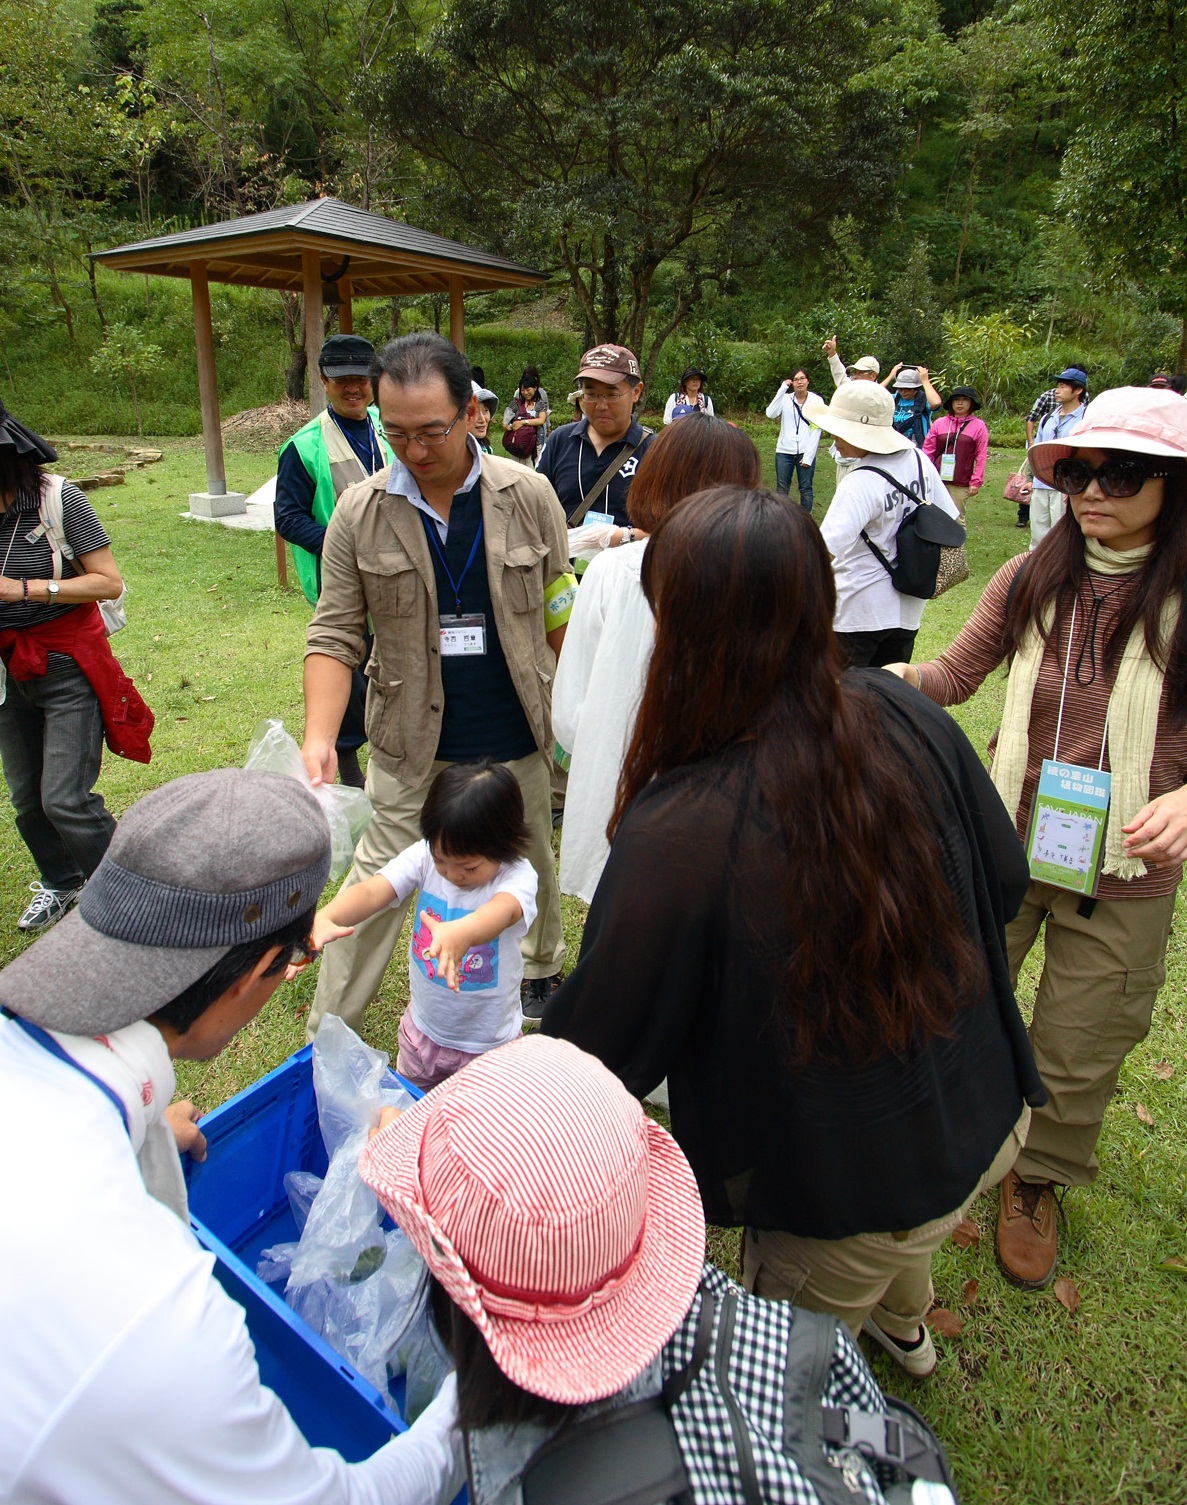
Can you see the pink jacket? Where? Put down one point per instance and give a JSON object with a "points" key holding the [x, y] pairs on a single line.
{"points": [[970, 439]]}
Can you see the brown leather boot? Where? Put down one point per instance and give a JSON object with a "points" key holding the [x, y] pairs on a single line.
{"points": [[1027, 1238]]}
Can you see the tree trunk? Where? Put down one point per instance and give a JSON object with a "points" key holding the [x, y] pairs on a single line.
{"points": [[393, 319], [136, 406], [610, 290], [294, 329], [95, 294], [294, 377], [59, 295], [964, 224], [1181, 358]]}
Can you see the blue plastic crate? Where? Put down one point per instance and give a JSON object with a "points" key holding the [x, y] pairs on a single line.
{"points": [[238, 1207]]}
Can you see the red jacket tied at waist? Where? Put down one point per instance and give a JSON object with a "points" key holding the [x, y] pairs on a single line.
{"points": [[127, 720]]}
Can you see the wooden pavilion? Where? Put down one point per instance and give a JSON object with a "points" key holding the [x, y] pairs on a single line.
{"points": [[324, 249]]}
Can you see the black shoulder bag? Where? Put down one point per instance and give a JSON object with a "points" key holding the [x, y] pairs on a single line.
{"points": [[922, 534]]}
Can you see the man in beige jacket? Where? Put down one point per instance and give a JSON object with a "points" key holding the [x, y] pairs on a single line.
{"points": [[460, 559]]}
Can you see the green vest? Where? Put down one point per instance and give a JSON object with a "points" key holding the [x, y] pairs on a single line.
{"points": [[326, 454]]}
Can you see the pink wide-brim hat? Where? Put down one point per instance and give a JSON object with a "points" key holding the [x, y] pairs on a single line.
{"points": [[563, 1222], [1138, 420]]}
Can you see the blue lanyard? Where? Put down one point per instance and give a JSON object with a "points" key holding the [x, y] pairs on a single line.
{"points": [[431, 530], [375, 456], [47, 1042]]}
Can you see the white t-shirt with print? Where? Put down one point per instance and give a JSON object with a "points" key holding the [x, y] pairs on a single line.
{"points": [[866, 600], [486, 1011]]}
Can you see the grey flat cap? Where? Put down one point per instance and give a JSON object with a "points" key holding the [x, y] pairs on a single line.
{"points": [[198, 866]]}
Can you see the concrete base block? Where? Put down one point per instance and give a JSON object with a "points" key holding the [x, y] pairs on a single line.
{"points": [[232, 504]]}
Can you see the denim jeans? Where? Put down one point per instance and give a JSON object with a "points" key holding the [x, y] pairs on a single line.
{"points": [[788, 465], [51, 746]]}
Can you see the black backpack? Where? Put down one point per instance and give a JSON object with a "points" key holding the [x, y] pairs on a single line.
{"points": [[921, 535], [839, 1438]]}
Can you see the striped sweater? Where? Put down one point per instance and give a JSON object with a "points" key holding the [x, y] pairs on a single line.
{"points": [[953, 676]]}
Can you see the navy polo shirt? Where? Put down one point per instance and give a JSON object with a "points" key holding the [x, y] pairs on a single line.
{"points": [[574, 467], [483, 717]]}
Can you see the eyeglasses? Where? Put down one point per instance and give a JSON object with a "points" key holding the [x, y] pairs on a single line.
{"points": [[301, 955], [427, 437], [1118, 478], [592, 399]]}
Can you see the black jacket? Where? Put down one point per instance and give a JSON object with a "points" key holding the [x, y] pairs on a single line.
{"points": [[670, 983]]}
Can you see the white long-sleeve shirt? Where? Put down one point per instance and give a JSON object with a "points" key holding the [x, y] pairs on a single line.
{"points": [[127, 1376], [675, 399], [796, 434], [595, 699]]}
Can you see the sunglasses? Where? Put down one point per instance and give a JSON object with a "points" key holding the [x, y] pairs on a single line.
{"points": [[1117, 478]]}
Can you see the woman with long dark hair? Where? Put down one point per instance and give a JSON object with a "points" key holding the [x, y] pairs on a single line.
{"points": [[801, 924], [65, 691], [599, 677], [1095, 720]]}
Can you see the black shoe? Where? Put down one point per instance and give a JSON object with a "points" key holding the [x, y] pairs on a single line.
{"points": [[349, 771], [534, 993]]}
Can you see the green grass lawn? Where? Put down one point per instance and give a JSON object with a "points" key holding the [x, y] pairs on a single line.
{"points": [[1035, 1403]]}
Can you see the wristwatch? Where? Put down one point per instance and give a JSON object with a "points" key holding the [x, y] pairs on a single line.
{"points": [[53, 588]]}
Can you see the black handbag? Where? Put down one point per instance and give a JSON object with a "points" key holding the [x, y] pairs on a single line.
{"points": [[919, 542]]}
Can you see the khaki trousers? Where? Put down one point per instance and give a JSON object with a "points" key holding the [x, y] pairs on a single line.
{"points": [[351, 970], [883, 1275], [960, 498], [1094, 1002]]}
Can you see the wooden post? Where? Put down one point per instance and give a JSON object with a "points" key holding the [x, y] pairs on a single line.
{"points": [[457, 325], [212, 434], [345, 312], [311, 277]]}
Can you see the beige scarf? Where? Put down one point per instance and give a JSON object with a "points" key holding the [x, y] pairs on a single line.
{"points": [[1132, 717]]}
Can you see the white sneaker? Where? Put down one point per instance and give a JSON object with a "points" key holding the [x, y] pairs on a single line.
{"points": [[47, 906], [915, 1361]]}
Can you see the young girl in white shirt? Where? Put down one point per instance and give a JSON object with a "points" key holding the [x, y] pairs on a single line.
{"points": [[477, 899]]}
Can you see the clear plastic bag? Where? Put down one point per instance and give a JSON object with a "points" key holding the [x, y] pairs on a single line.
{"points": [[589, 539], [347, 809], [363, 1289]]}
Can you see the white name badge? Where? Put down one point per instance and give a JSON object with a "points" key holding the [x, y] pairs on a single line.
{"points": [[947, 467], [1066, 842], [463, 637], [598, 517]]}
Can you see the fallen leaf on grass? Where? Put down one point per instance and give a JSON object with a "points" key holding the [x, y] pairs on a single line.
{"points": [[968, 1292], [1067, 1293], [944, 1322], [1174, 1264], [181, 718], [1144, 1115], [1163, 1070], [205, 698], [966, 1233]]}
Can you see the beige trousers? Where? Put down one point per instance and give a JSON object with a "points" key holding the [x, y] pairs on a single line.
{"points": [[883, 1275], [351, 970], [960, 498], [1095, 1000]]}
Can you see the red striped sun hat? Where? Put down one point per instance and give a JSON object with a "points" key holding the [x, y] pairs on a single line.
{"points": [[561, 1220]]}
